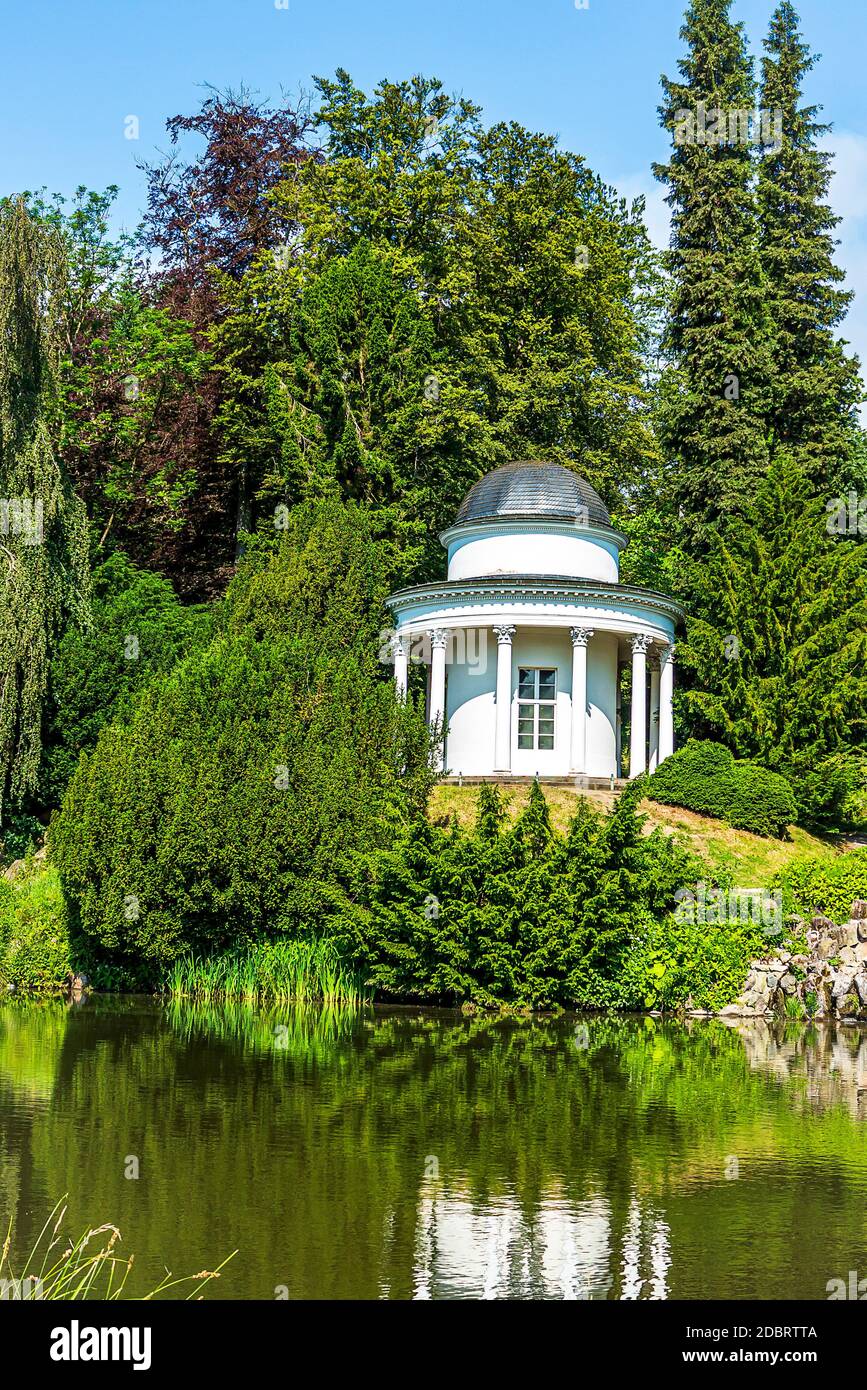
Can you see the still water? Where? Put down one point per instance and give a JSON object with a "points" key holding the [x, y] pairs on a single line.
{"points": [[416, 1154]]}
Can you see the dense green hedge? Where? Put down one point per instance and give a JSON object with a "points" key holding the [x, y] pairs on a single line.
{"points": [[705, 777], [826, 886], [34, 944], [513, 912]]}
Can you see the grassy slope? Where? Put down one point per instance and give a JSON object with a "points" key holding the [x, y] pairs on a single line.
{"points": [[750, 858]]}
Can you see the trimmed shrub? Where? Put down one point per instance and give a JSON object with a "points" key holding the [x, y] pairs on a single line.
{"points": [[706, 777], [35, 953], [825, 886]]}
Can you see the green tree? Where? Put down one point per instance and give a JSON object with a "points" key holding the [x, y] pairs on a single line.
{"points": [[241, 783], [44, 570], [499, 268], [714, 398], [816, 386], [776, 647], [138, 628]]}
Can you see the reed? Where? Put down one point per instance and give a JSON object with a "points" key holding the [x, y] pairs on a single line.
{"points": [[59, 1268], [299, 972]]}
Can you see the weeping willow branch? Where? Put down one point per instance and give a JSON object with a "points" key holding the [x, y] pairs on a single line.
{"points": [[44, 571]]}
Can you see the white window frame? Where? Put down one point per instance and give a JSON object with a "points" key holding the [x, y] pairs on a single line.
{"points": [[535, 705]]}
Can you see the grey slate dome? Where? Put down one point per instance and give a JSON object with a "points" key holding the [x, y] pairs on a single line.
{"points": [[533, 489]]}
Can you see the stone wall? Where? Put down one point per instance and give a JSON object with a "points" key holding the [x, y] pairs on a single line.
{"points": [[827, 981]]}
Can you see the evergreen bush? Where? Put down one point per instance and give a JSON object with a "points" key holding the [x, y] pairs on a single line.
{"points": [[707, 778]]}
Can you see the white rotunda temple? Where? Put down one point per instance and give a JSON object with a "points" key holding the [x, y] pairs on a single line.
{"points": [[527, 638]]}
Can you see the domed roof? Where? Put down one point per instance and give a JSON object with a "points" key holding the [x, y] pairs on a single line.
{"points": [[531, 488]]}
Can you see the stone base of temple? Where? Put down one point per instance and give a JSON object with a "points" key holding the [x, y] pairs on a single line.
{"points": [[507, 778]]}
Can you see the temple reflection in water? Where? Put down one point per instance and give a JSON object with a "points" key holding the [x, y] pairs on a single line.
{"points": [[562, 1251]]}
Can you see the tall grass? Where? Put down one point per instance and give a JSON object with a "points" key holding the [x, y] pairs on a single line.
{"points": [[60, 1268], [301, 972]]}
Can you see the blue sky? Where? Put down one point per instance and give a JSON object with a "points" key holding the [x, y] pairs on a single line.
{"points": [[73, 72]]}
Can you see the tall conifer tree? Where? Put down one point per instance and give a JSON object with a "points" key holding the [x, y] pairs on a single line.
{"points": [[776, 659], [816, 385], [44, 572], [715, 395]]}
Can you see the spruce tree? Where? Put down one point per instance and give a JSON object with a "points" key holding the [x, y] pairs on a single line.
{"points": [[816, 385], [715, 393], [44, 572], [776, 658]]}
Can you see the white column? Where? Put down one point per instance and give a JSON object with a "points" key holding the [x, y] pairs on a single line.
{"points": [[666, 691], [578, 757], [400, 647], [654, 714], [437, 712], [619, 719], [503, 726], [638, 730]]}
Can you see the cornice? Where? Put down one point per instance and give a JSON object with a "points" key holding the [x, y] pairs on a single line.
{"points": [[528, 524], [508, 587]]}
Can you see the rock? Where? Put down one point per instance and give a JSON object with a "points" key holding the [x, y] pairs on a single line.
{"points": [[788, 984], [859, 910], [860, 983], [731, 1011], [17, 867], [862, 930], [847, 955], [849, 934], [861, 950]]}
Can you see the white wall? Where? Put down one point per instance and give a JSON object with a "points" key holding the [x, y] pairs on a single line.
{"points": [[472, 711], [571, 551]]}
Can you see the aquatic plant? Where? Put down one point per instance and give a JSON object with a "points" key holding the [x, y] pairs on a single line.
{"points": [[283, 971]]}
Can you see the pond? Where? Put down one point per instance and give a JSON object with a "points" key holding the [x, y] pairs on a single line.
{"points": [[417, 1154]]}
